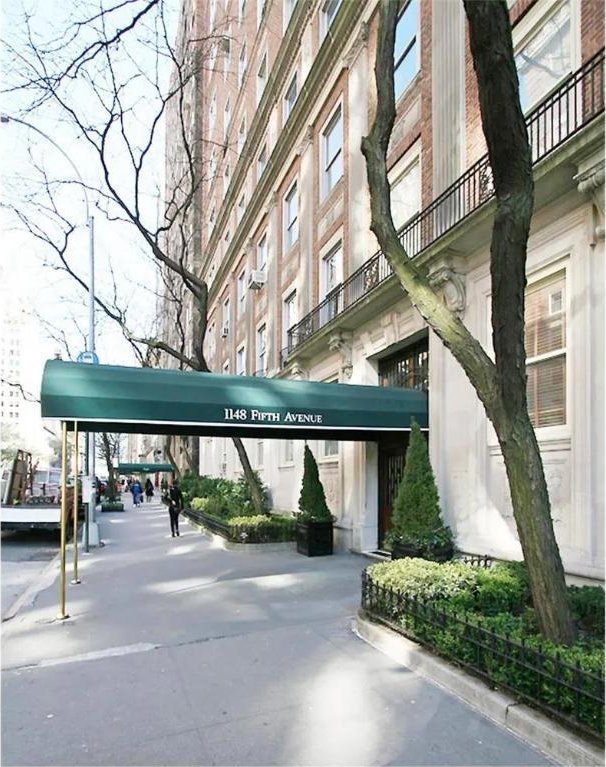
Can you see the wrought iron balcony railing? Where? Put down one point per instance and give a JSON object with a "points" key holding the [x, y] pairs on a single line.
{"points": [[567, 110]]}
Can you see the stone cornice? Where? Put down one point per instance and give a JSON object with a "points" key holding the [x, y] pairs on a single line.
{"points": [[321, 69]]}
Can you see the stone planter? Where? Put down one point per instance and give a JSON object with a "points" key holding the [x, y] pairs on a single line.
{"points": [[314, 539], [117, 506]]}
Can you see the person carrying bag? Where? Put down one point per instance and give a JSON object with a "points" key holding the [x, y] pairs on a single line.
{"points": [[174, 497]]}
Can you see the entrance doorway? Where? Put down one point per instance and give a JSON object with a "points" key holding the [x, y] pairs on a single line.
{"points": [[407, 369]]}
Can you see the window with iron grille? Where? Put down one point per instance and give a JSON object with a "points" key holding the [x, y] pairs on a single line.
{"points": [[406, 370]]}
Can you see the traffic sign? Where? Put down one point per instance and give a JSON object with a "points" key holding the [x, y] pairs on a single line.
{"points": [[89, 357]]}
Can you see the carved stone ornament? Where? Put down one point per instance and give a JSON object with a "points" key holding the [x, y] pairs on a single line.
{"points": [[359, 44], [342, 342], [298, 372], [590, 183], [308, 137], [443, 276]]}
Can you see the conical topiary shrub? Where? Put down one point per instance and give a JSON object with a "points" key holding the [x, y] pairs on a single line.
{"points": [[416, 518], [312, 501]]}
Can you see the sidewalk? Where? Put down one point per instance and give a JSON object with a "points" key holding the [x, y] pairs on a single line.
{"points": [[179, 652]]}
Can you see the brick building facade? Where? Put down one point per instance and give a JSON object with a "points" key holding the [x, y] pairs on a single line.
{"points": [[298, 290]]}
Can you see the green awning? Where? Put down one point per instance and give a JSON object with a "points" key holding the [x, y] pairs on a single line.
{"points": [[152, 401], [144, 468]]}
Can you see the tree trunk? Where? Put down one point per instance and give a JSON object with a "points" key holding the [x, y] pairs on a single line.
{"points": [[500, 386], [171, 460], [255, 490]]}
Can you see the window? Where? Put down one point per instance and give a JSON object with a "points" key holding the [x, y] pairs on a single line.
{"points": [[241, 362], [241, 135], [241, 208], [241, 10], [261, 351], [332, 155], [226, 47], [211, 223], [289, 451], [546, 58], [212, 114], [545, 341], [262, 253], [212, 167], [406, 50], [242, 65], [330, 270], [290, 97], [291, 212], [260, 456], [226, 309], [261, 161], [289, 7], [226, 180], [241, 290], [261, 77], [260, 9], [211, 343], [328, 13], [226, 119], [406, 195], [289, 315]]}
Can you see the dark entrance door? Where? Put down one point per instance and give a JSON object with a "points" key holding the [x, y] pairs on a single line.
{"points": [[391, 466], [407, 370]]}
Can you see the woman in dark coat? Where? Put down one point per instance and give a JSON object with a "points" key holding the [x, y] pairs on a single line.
{"points": [[149, 489]]}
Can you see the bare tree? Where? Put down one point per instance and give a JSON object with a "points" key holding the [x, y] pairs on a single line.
{"points": [[500, 386], [104, 74], [108, 446]]}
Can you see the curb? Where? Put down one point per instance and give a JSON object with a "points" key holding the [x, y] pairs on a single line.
{"points": [[536, 729], [42, 581]]}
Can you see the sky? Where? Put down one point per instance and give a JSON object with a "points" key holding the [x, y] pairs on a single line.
{"points": [[57, 305]]}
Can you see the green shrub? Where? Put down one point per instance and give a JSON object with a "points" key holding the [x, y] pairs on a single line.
{"points": [[587, 605], [457, 603], [312, 501], [263, 529], [236, 495], [425, 580], [416, 510]]}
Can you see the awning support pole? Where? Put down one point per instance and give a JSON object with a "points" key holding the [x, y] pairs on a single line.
{"points": [[62, 614], [76, 579]]}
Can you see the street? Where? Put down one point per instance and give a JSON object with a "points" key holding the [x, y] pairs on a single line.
{"points": [[25, 555]]}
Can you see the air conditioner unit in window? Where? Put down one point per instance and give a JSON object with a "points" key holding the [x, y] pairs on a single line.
{"points": [[224, 331], [256, 279]]}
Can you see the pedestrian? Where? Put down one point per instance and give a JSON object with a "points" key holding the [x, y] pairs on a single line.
{"points": [[175, 505], [149, 489], [137, 492]]}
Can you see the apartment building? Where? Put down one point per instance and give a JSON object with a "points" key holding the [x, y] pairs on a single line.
{"points": [[298, 289]]}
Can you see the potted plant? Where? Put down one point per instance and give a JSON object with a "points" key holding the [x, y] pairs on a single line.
{"points": [[417, 529], [314, 520]]}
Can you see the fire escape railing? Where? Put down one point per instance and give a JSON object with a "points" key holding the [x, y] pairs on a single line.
{"points": [[567, 110]]}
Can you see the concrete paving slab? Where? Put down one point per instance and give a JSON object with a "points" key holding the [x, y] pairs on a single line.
{"points": [[179, 652]]}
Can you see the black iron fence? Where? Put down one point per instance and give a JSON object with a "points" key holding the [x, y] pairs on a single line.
{"points": [[572, 106], [535, 675]]}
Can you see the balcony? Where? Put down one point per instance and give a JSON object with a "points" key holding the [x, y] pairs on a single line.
{"points": [[563, 114]]}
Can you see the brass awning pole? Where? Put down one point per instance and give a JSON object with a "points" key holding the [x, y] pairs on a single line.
{"points": [[62, 614], [75, 579]]}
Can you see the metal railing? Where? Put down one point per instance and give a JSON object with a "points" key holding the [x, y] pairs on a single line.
{"points": [[572, 106], [535, 674]]}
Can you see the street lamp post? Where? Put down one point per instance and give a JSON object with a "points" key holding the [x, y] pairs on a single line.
{"points": [[91, 533]]}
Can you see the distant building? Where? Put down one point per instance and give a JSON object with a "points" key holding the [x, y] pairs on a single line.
{"points": [[297, 287]]}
